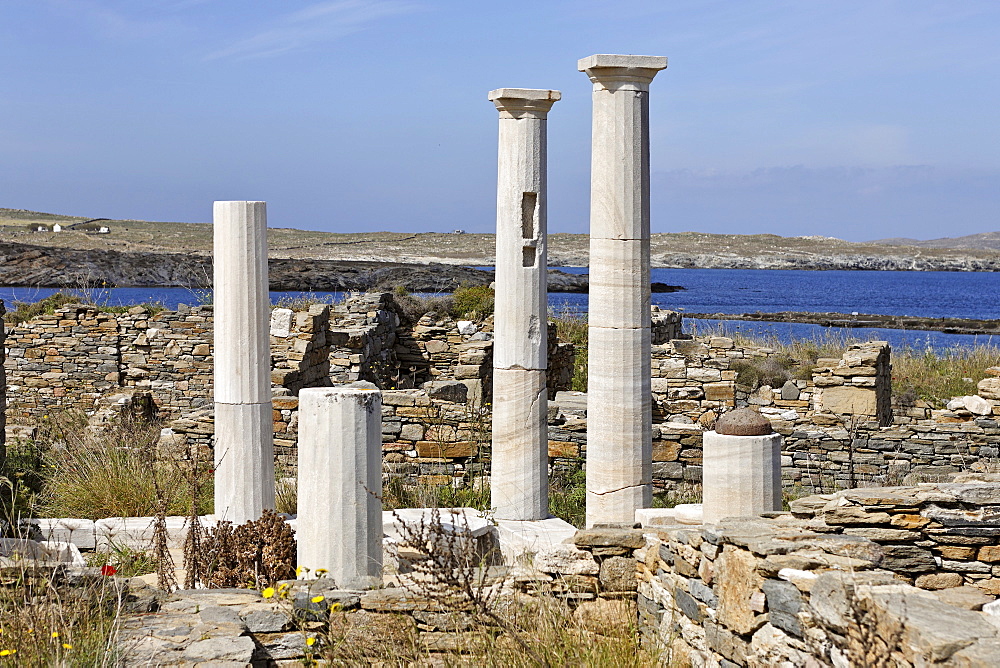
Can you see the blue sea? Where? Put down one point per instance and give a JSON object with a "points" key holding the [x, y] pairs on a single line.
{"points": [[928, 294]]}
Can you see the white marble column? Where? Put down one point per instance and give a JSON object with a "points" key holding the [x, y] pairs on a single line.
{"points": [[619, 421], [741, 475], [519, 464], [340, 480], [244, 451]]}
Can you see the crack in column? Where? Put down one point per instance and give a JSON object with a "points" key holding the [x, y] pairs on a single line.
{"points": [[620, 489]]}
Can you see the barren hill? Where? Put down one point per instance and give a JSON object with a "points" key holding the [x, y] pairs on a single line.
{"points": [[682, 249]]}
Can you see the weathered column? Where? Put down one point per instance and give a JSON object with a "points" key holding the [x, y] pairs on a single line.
{"points": [[340, 479], [519, 465], [741, 471], [619, 421], [244, 450]]}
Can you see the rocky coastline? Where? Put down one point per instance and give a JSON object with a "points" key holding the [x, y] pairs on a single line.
{"points": [[946, 325], [38, 266]]}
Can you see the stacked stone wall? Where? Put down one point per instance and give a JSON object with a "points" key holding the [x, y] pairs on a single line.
{"points": [[832, 585], [3, 384], [71, 358], [67, 359]]}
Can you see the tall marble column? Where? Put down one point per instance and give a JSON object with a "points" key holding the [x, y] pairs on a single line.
{"points": [[619, 421], [519, 466], [244, 451]]}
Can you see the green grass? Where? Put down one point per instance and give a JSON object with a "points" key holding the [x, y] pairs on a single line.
{"points": [[931, 375], [46, 623], [572, 328], [72, 471], [936, 377]]}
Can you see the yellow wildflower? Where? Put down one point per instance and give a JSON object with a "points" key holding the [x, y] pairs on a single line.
{"points": [[283, 586], [299, 570], [55, 634], [66, 645], [8, 652], [321, 571], [268, 593], [311, 641], [318, 598]]}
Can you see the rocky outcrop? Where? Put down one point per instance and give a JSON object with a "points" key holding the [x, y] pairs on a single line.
{"points": [[38, 266], [810, 261]]}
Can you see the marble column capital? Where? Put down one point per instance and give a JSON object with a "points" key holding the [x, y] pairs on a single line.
{"points": [[619, 72], [519, 103]]}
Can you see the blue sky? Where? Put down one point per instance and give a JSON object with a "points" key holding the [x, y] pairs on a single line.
{"points": [[859, 119]]}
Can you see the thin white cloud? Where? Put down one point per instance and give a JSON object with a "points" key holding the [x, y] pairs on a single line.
{"points": [[315, 24]]}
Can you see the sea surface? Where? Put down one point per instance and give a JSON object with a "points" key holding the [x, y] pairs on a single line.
{"points": [[915, 293]]}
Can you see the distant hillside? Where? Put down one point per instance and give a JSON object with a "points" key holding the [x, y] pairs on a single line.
{"points": [[985, 240], [673, 249]]}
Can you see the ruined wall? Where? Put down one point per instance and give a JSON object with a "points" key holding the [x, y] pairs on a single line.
{"points": [[3, 384], [830, 442], [847, 581]]}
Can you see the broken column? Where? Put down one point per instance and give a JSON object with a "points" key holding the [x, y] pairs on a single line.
{"points": [[741, 468], [619, 421], [340, 482], [244, 451], [519, 465]]}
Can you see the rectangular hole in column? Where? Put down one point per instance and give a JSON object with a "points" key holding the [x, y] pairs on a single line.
{"points": [[529, 227], [528, 203], [529, 256]]}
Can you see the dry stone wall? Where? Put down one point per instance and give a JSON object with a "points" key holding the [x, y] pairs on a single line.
{"points": [[847, 580], [831, 441]]}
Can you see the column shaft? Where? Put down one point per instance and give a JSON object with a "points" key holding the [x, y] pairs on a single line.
{"points": [[741, 475], [519, 466], [244, 454], [340, 480], [619, 420]]}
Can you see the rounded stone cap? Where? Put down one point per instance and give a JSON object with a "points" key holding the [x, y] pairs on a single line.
{"points": [[743, 422]]}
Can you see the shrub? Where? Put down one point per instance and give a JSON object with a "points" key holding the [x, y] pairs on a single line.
{"points": [[413, 307], [26, 311], [113, 473], [573, 328], [474, 302], [255, 554], [936, 377], [757, 372]]}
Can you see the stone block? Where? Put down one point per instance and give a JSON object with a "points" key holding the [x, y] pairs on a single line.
{"points": [[989, 388], [846, 400], [565, 559], [736, 580], [445, 449], [447, 390], [79, 532], [721, 391], [617, 574], [784, 601]]}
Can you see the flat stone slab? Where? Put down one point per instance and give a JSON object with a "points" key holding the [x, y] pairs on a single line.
{"points": [[47, 552], [684, 513], [455, 520], [137, 532], [68, 530], [518, 538]]}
